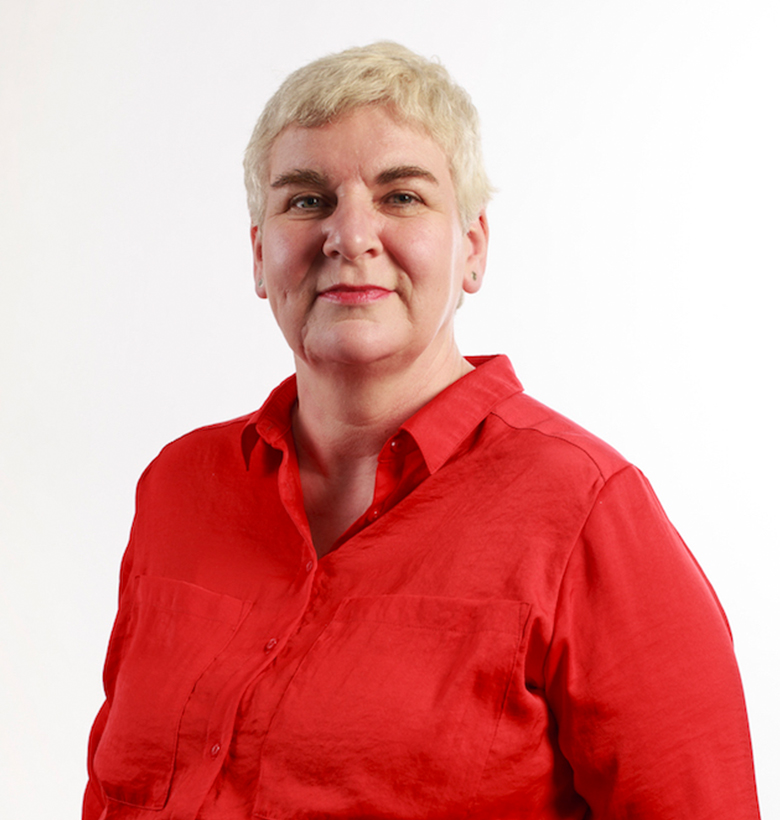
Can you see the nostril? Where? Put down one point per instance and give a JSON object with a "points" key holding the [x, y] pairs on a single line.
{"points": [[350, 234]]}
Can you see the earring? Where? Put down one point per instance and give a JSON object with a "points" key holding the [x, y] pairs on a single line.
{"points": [[474, 275], [259, 283]]}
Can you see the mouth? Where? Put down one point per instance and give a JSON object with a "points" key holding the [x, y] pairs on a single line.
{"points": [[354, 294]]}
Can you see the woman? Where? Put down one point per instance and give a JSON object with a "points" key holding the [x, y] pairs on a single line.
{"points": [[403, 588]]}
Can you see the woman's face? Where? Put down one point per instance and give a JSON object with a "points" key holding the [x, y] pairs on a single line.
{"points": [[362, 255]]}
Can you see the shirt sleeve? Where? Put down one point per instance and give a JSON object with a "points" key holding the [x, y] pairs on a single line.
{"points": [[641, 673], [94, 801]]}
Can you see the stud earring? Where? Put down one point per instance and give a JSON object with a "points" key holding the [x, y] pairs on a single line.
{"points": [[259, 283], [474, 275]]}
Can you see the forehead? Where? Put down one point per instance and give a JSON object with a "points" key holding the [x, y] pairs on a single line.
{"points": [[362, 142]]}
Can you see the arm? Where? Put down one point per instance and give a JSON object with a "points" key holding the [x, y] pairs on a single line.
{"points": [[94, 800], [641, 672]]}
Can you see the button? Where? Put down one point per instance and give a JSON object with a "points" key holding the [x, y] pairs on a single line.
{"points": [[309, 566], [271, 644], [374, 513], [396, 444], [215, 749]]}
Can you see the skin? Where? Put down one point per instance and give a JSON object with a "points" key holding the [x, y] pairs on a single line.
{"points": [[363, 259]]}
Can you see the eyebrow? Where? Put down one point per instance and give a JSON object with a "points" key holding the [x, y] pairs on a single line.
{"points": [[300, 176], [405, 172], [307, 176]]}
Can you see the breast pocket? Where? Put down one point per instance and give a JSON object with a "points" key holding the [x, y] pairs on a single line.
{"points": [[166, 635], [392, 712]]}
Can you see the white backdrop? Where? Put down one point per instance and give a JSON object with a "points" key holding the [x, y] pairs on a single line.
{"points": [[632, 278]]}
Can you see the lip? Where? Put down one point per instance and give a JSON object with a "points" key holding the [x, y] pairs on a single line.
{"points": [[354, 295]]}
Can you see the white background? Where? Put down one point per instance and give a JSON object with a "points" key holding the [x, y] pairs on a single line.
{"points": [[632, 278]]}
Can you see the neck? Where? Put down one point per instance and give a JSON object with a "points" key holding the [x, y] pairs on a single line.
{"points": [[343, 418], [346, 413]]}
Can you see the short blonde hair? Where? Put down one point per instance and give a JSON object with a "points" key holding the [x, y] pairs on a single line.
{"points": [[419, 91]]}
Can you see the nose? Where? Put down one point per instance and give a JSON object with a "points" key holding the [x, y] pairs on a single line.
{"points": [[352, 230]]}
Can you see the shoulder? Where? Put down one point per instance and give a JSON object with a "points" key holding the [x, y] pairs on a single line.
{"points": [[230, 443], [522, 427], [555, 439], [211, 448], [212, 438]]}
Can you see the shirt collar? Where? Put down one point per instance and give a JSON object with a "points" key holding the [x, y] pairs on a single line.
{"points": [[443, 424], [272, 421], [438, 428]]}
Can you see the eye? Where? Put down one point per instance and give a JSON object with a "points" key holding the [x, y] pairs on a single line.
{"points": [[307, 202], [403, 199]]}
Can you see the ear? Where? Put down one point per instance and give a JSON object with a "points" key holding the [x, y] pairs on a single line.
{"points": [[476, 239], [257, 256]]}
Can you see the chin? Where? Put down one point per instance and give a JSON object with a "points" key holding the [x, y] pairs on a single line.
{"points": [[354, 345]]}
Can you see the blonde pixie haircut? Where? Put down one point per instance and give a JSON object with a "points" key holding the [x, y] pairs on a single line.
{"points": [[420, 92]]}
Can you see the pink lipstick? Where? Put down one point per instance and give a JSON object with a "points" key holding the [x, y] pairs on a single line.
{"points": [[354, 295]]}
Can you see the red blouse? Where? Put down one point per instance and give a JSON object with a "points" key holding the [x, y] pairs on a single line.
{"points": [[512, 630]]}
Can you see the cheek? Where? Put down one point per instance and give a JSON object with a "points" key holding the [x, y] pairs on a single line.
{"points": [[420, 250], [434, 258], [276, 252], [287, 257]]}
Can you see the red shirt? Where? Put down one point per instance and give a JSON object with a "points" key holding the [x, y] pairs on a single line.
{"points": [[513, 630]]}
